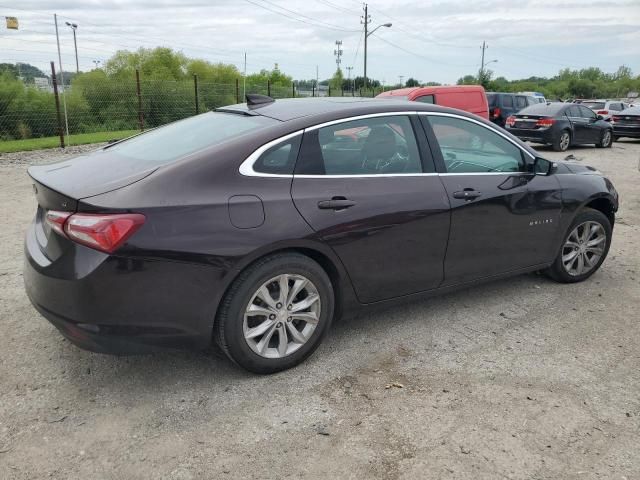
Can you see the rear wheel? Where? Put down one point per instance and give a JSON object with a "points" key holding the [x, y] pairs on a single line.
{"points": [[275, 313], [584, 248], [562, 142], [605, 140]]}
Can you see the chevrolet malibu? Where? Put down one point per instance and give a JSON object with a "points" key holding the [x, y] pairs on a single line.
{"points": [[257, 224]]}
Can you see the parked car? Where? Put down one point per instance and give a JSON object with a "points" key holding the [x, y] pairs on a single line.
{"points": [[503, 105], [470, 98], [561, 125], [606, 108], [626, 123], [255, 225], [537, 95]]}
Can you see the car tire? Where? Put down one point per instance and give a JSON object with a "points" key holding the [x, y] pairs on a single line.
{"points": [[606, 139], [596, 224], [562, 142], [262, 353]]}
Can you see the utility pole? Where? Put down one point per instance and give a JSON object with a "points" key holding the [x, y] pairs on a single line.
{"points": [[349, 76], [338, 53], [400, 77], [64, 101], [366, 19], [74, 27], [96, 63], [481, 76], [244, 78]]}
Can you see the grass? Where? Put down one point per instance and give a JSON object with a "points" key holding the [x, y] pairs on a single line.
{"points": [[53, 142]]}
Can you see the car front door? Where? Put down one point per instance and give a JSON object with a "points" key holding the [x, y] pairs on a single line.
{"points": [[503, 216], [370, 191], [592, 130]]}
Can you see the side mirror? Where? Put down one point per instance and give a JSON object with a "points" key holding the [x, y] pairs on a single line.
{"points": [[599, 117], [544, 167]]}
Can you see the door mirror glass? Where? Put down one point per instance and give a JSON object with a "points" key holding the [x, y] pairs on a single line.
{"points": [[543, 167], [599, 117]]}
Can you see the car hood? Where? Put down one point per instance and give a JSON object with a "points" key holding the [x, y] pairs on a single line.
{"points": [[91, 174], [578, 168]]}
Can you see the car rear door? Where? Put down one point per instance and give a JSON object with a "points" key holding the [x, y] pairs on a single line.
{"points": [[377, 201], [578, 123], [503, 217]]}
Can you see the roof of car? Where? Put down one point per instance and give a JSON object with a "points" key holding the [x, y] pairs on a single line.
{"points": [[293, 108]]}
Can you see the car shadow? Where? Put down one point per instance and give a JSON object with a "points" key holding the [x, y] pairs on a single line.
{"points": [[210, 371]]}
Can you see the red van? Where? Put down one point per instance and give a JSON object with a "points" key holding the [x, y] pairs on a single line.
{"points": [[470, 98]]}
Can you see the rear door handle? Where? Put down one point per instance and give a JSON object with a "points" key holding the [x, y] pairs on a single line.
{"points": [[336, 203], [467, 194]]}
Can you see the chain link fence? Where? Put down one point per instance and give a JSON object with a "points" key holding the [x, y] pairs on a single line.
{"points": [[128, 104]]}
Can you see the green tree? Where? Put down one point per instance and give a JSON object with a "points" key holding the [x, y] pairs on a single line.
{"points": [[412, 82], [336, 82]]}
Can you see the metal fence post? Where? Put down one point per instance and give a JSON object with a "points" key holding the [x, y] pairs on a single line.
{"points": [[268, 88], [195, 87], [342, 91], [293, 90], [313, 90], [140, 116], [237, 90], [55, 94]]}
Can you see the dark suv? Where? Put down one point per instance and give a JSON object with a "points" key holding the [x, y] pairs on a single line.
{"points": [[503, 105]]}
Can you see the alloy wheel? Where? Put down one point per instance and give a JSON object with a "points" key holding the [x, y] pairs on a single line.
{"points": [[606, 138], [281, 315], [584, 248], [565, 138]]}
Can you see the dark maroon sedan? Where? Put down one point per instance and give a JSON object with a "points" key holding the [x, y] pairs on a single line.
{"points": [[258, 224]]}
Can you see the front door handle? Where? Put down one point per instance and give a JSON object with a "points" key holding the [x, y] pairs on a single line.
{"points": [[467, 194], [336, 203]]}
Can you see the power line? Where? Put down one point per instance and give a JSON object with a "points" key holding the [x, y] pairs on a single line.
{"points": [[419, 55], [324, 25]]}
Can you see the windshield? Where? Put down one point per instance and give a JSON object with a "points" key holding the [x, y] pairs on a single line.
{"points": [[171, 142], [593, 105], [491, 99]]}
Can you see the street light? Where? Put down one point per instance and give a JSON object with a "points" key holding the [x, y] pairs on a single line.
{"points": [[366, 35], [73, 27]]}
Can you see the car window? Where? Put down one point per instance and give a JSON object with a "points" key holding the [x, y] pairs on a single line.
{"points": [[371, 146], [573, 111], [426, 99], [586, 112], [166, 144], [594, 105], [491, 99], [615, 106], [279, 159], [521, 102], [507, 101], [467, 147]]}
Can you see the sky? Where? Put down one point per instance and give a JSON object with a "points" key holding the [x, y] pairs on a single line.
{"points": [[429, 40]]}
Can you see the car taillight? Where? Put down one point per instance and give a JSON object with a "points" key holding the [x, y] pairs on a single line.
{"points": [[56, 220], [511, 121], [603, 112], [495, 113], [104, 232], [615, 118], [545, 122]]}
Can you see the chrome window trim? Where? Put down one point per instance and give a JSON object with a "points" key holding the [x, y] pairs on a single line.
{"points": [[246, 167], [452, 115]]}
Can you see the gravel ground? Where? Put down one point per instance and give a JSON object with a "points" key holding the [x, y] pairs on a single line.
{"points": [[517, 379]]}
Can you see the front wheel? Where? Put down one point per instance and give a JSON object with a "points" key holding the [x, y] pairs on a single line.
{"points": [[563, 141], [276, 313], [605, 140], [584, 248]]}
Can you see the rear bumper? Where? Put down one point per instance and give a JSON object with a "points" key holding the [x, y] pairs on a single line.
{"points": [[536, 136], [632, 131], [121, 305]]}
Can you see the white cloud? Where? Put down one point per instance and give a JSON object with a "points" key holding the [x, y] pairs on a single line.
{"points": [[527, 38]]}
